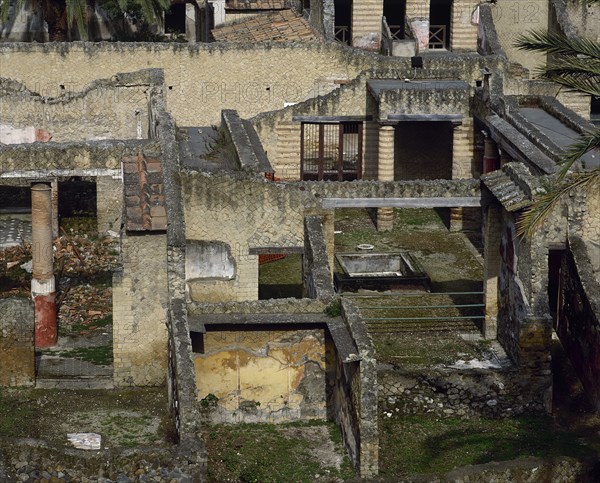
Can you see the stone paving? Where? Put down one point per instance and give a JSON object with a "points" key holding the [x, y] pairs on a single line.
{"points": [[14, 231]]}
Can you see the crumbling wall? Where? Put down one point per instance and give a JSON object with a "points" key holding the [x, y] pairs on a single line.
{"points": [[524, 328], [139, 312], [104, 109], [317, 267], [263, 374], [17, 351], [203, 79], [273, 215], [452, 392], [578, 324]]}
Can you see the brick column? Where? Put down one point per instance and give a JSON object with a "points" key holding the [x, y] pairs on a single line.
{"points": [[491, 269], [462, 160], [385, 172]]}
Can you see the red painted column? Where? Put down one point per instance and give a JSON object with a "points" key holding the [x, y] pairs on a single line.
{"points": [[42, 283], [491, 156]]}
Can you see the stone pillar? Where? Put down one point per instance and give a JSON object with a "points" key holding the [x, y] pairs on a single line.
{"points": [[54, 186], [218, 12], [191, 22], [462, 160], [491, 268], [385, 172], [42, 282]]}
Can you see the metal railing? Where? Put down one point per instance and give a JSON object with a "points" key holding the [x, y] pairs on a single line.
{"points": [[437, 36], [342, 34]]}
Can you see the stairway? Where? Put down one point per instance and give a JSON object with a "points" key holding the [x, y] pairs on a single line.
{"points": [[459, 312]]}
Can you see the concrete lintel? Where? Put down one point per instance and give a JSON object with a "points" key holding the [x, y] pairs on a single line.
{"points": [[275, 250], [45, 174], [326, 119], [438, 202], [454, 118]]}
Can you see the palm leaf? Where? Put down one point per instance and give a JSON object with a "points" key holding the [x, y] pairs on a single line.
{"points": [[77, 13], [586, 143], [554, 43], [540, 209]]}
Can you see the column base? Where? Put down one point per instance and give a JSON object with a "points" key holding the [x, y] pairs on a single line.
{"points": [[385, 219], [46, 333]]}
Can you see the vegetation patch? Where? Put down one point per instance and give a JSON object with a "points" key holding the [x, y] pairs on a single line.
{"points": [[100, 355], [294, 452], [281, 278], [413, 445]]}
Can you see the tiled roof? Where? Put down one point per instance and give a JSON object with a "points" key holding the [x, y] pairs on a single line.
{"points": [[144, 194], [282, 26], [256, 4], [506, 188]]}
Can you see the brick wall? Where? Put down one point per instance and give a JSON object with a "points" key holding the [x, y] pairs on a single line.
{"points": [[366, 23], [139, 312], [463, 33]]}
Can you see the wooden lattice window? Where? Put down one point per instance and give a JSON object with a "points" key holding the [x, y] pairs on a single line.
{"points": [[331, 151]]}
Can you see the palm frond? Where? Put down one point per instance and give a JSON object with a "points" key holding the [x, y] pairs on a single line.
{"points": [[5, 9], [77, 13], [585, 86], [554, 43], [586, 143], [540, 209]]}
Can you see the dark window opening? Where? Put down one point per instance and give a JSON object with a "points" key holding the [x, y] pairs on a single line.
{"points": [[595, 109], [440, 15], [343, 21], [331, 152], [394, 12], [197, 342], [76, 198], [554, 262], [175, 19]]}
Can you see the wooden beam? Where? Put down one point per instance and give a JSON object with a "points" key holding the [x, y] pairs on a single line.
{"points": [[438, 202]]}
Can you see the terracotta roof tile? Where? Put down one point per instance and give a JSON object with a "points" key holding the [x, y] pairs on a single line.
{"points": [[144, 194], [282, 26], [256, 4]]}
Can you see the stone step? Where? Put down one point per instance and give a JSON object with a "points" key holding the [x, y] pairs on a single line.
{"points": [[98, 382]]}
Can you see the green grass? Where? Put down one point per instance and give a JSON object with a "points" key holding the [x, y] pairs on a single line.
{"points": [[414, 445], [17, 417], [268, 453], [101, 355], [281, 278]]}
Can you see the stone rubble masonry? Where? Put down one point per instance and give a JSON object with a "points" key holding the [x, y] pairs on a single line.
{"points": [[203, 79], [104, 109], [450, 392], [274, 218], [17, 351], [358, 416], [109, 203], [139, 312], [317, 268], [578, 326]]}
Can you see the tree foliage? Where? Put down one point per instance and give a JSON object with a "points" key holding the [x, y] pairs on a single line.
{"points": [[61, 15]]}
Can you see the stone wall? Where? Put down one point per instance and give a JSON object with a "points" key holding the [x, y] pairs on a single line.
{"points": [[316, 265], [105, 109], [578, 324], [263, 373], [17, 351], [203, 79], [200, 79], [139, 312], [273, 215], [280, 131], [366, 24], [531, 470], [451, 393], [515, 17]]}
